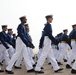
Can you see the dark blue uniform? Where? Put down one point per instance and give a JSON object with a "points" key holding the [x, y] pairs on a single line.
{"points": [[4, 39], [65, 38], [14, 41], [41, 40], [59, 37], [47, 31], [72, 35], [22, 33], [11, 40]]}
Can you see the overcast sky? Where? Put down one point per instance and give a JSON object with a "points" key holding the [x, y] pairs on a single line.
{"points": [[64, 12]]}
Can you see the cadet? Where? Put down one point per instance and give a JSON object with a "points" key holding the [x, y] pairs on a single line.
{"points": [[18, 62], [10, 37], [63, 46], [72, 38], [4, 46], [57, 51], [31, 51], [22, 43], [47, 49]]}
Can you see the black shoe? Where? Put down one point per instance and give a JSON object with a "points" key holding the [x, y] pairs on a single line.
{"points": [[59, 63], [33, 57], [32, 70], [59, 70], [49, 63], [39, 72], [68, 66], [42, 68], [9, 72], [1, 71], [73, 71], [65, 60], [34, 65], [17, 67]]}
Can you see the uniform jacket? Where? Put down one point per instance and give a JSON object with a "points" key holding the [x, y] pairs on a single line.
{"points": [[47, 31], [22, 33]]}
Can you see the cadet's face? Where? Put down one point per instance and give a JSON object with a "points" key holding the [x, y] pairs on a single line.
{"points": [[50, 20], [27, 28], [66, 32], [75, 27], [24, 20], [10, 32], [5, 29]]}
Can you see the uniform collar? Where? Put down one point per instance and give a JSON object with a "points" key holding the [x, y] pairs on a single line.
{"points": [[4, 31], [9, 34], [48, 23]]}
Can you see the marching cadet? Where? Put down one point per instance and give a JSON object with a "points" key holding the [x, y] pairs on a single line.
{"points": [[72, 38], [22, 43], [58, 46], [12, 47], [47, 49], [4, 46], [31, 51], [18, 62], [63, 46]]}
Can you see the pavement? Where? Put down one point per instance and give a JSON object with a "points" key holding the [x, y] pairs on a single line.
{"points": [[47, 69]]}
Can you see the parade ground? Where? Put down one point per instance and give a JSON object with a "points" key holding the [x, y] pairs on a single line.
{"points": [[47, 69]]}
